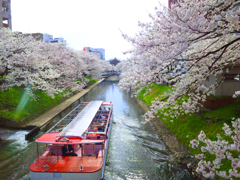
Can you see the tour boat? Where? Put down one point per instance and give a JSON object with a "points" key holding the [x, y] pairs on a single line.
{"points": [[87, 129]]}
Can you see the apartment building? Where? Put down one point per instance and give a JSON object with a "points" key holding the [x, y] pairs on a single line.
{"points": [[5, 15]]}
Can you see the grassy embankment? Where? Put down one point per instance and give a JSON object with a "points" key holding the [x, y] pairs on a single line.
{"points": [[188, 126], [17, 105], [91, 81]]}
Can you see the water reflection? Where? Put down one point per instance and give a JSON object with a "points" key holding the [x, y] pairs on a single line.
{"points": [[135, 151]]}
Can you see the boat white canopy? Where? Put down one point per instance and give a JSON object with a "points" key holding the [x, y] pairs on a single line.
{"points": [[78, 126]]}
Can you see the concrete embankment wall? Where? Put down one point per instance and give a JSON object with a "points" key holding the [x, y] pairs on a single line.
{"points": [[113, 78]]}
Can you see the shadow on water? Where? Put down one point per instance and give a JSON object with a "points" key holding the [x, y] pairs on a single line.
{"points": [[135, 151]]}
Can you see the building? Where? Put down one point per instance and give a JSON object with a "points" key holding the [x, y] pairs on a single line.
{"points": [[57, 40], [5, 15], [48, 38], [42, 37], [230, 84], [99, 51]]}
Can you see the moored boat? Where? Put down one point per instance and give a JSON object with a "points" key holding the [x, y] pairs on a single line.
{"points": [[76, 147]]}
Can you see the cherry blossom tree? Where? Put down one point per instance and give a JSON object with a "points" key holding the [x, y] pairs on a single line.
{"points": [[106, 66], [183, 46], [132, 72], [93, 66], [220, 149], [43, 66]]}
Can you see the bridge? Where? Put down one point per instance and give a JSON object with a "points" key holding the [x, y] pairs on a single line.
{"points": [[110, 73]]}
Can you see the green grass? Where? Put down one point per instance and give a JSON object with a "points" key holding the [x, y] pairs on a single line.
{"points": [[91, 81], [17, 105], [188, 126], [154, 93]]}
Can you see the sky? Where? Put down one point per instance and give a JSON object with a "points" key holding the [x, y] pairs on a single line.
{"points": [[84, 23]]}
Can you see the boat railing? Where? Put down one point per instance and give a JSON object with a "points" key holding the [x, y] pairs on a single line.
{"points": [[68, 118], [45, 166], [105, 130], [109, 117], [52, 154]]}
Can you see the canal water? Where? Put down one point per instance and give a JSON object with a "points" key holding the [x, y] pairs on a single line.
{"points": [[136, 151]]}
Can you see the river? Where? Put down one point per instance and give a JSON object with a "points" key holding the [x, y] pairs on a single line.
{"points": [[136, 151]]}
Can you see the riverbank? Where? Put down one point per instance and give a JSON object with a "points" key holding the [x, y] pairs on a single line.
{"points": [[180, 152], [135, 150], [178, 132], [45, 117]]}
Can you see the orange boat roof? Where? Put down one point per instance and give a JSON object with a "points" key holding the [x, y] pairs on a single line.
{"points": [[50, 138]]}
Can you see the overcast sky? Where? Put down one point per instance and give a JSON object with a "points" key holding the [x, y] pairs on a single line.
{"points": [[93, 23]]}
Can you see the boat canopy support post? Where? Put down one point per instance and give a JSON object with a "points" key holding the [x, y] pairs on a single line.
{"points": [[82, 151], [37, 151], [102, 149], [57, 152]]}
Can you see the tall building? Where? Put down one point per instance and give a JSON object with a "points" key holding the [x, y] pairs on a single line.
{"points": [[99, 51], [5, 15]]}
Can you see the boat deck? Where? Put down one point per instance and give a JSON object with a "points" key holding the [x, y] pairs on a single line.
{"points": [[67, 164]]}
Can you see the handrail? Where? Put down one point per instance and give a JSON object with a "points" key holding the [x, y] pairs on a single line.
{"points": [[64, 117], [110, 115]]}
